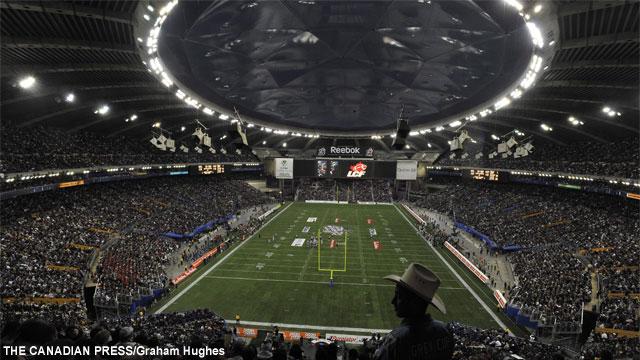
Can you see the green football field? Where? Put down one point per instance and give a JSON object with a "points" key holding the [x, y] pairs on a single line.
{"points": [[268, 280]]}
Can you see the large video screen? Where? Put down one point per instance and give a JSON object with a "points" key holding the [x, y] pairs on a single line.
{"points": [[346, 169]]}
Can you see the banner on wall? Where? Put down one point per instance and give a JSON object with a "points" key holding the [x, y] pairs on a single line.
{"points": [[407, 170], [284, 168]]}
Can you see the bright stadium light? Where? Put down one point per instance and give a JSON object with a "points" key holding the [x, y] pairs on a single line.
{"points": [[284, 144], [183, 128], [27, 82], [610, 111], [134, 117], [495, 137], [264, 142], [70, 98], [515, 4], [156, 124], [574, 121], [546, 127], [102, 110]]}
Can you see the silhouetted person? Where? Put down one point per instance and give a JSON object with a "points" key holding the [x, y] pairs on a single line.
{"points": [[418, 336]]}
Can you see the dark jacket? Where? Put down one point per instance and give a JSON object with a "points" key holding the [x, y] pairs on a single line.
{"points": [[417, 339]]}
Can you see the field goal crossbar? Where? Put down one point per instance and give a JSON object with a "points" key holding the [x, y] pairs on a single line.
{"points": [[331, 271]]}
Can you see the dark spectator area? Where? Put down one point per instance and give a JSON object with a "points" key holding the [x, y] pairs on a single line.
{"points": [[617, 159], [41, 148]]}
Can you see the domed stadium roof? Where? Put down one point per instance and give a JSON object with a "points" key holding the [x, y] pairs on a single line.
{"points": [[324, 68], [346, 67]]}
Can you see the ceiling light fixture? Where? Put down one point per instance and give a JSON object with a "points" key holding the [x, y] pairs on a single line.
{"points": [[70, 98], [102, 110], [574, 121], [515, 4], [27, 82]]}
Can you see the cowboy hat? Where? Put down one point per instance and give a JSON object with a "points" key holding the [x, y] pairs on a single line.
{"points": [[422, 282]]}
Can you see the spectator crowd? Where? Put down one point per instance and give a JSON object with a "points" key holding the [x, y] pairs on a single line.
{"points": [[564, 236], [618, 159], [42, 148], [202, 328], [377, 190], [49, 238]]}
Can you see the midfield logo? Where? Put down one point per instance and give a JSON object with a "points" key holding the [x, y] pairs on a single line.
{"points": [[357, 170], [333, 230]]}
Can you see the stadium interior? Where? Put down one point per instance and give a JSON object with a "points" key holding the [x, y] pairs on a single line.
{"points": [[233, 179]]}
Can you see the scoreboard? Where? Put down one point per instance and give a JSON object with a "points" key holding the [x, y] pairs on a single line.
{"points": [[209, 169], [486, 175], [224, 168], [482, 174]]}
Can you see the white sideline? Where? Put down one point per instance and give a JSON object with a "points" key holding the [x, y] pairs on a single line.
{"points": [[309, 327], [179, 295], [482, 303]]}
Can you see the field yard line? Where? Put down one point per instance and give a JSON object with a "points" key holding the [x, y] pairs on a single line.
{"points": [[294, 281], [312, 282], [179, 295], [464, 283], [310, 327], [296, 264], [314, 274]]}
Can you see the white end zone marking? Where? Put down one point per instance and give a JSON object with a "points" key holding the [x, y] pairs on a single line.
{"points": [[184, 291], [482, 303]]}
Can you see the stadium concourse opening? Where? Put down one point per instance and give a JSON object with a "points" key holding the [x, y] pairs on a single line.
{"points": [[415, 179]]}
